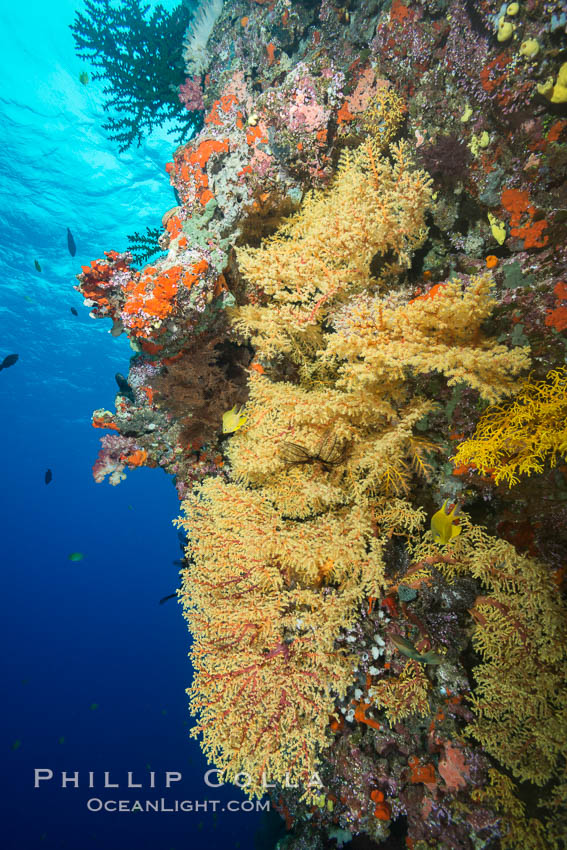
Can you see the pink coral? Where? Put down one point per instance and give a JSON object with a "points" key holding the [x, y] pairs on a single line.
{"points": [[191, 94], [111, 458], [453, 768], [237, 87], [305, 113], [364, 91]]}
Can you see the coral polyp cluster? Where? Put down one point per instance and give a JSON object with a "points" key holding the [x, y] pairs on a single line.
{"points": [[349, 353]]}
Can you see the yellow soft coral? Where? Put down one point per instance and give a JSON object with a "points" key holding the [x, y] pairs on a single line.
{"points": [[283, 556], [384, 115], [378, 341], [520, 697], [404, 695], [518, 438], [324, 253], [516, 829], [267, 667]]}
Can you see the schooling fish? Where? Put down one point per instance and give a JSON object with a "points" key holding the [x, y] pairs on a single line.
{"points": [[48, 476], [444, 525], [232, 420], [9, 361], [37, 265], [408, 649], [74, 312], [71, 243]]}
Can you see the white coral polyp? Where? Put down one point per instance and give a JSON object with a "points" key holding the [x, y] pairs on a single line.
{"points": [[198, 34]]}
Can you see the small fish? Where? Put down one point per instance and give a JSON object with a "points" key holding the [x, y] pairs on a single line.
{"points": [[62, 739], [76, 556], [232, 420], [37, 265], [408, 649], [84, 78], [48, 476], [444, 525], [16, 744], [71, 243], [165, 598], [74, 312], [9, 361], [94, 706], [117, 328]]}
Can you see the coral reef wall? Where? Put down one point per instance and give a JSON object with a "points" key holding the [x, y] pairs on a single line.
{"points": [[350, 354]]}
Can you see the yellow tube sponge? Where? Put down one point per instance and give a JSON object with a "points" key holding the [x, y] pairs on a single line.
{"points": [[498, 228], [529, 48], [559, 91], [505, 30]]}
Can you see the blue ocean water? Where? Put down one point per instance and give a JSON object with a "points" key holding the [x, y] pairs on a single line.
{"points": [[95, 670]]}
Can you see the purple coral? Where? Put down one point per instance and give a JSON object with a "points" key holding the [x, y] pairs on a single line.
{"points": [[109, 460], [191, 94]]}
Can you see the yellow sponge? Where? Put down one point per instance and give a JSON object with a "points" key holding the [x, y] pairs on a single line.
{"points": [[559, 91]]}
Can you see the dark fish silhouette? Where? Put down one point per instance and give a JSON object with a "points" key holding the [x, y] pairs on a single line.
{"points": [[9, 361], [165, 598], [74, 312], [124, 387], [180, 563], [48, 476], [37, 265], [71, 243]]}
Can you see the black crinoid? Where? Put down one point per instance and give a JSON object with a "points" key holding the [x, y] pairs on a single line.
{"points": [[447, 160], [140, 58], [144, 246], [329, 452]]}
